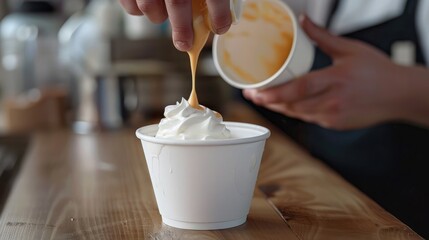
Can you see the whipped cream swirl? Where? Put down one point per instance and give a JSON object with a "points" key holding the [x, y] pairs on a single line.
{"points": [[185, 122]]}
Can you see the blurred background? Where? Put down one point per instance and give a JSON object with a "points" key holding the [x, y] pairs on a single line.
{"points": [[86, 64]]}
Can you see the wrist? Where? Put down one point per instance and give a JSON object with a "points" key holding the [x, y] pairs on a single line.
{"points": [[412, 101]]}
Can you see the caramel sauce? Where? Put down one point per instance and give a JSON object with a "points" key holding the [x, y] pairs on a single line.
{"points": [[201, 34], [202, 29]]}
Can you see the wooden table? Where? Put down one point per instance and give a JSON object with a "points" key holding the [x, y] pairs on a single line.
{"points": [[97, 187]]}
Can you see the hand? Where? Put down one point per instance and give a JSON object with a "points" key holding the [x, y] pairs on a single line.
{"points": [[180, 14], [362, 88]]}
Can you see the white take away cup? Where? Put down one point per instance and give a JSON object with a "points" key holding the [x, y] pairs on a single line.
{"points": [[204, 184], [258, 42]]}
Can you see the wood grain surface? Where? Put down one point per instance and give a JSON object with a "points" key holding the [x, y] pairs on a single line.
{"points": [[315, 201], [98, 187]]}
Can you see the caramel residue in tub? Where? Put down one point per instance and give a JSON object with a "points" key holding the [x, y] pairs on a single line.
{"points": [[237, 70], [230, 35], [282, 51], [274, 10], [244, 34], [282, 48], [252, 12], [274, 15]]}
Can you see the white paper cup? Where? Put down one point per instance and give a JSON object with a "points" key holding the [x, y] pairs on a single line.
{"points": [[253, 47], [204, 184]]}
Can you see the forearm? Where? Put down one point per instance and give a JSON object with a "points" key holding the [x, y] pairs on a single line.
{"points": [[415, 97]]}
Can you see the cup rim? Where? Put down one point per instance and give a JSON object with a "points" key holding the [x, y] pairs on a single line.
{"points": [[275, 75], [264, 133]]}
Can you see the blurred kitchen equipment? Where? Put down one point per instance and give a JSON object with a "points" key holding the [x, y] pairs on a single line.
{"points": [[85, 41], [138, 27], [29, 47], [68, 8], [85, 37], [3, 9], [35, 110]]}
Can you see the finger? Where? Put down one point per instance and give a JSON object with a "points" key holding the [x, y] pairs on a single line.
{"points": [[288, 110], [153, 9], [131, 7], [180, 14], [295, 111], [220, 15], [319, 103], [327, 42], [324, 109], [276, 107], [282, 108], [296, 90], [291, 111]]}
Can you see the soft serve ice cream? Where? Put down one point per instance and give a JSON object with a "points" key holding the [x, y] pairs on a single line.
{"points": [[185, 122]]}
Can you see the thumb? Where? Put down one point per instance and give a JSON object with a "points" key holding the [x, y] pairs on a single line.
{"points": [[327, 42]]}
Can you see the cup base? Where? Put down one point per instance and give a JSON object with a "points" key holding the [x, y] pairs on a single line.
{"points": [[203, 226]]}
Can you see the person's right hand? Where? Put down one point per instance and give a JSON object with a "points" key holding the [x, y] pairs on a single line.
{"points": [[180, 14]]}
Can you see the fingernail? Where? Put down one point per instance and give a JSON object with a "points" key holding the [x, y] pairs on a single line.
{"points": [[182, 45], [250, 92], [255, 94], [222, 30], [246, 94]]}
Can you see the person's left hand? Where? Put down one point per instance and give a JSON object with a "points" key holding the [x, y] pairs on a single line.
{"points": [[362, 88]]}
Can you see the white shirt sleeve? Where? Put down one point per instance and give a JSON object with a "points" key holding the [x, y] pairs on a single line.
{"points": [[353, 15], [317, 10], [422, 27]]}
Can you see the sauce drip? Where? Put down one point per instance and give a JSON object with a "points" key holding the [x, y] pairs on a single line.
{"points": [[201, 34]]}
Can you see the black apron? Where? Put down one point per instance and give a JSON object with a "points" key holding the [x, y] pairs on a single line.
{"points": [[388, 162]]}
